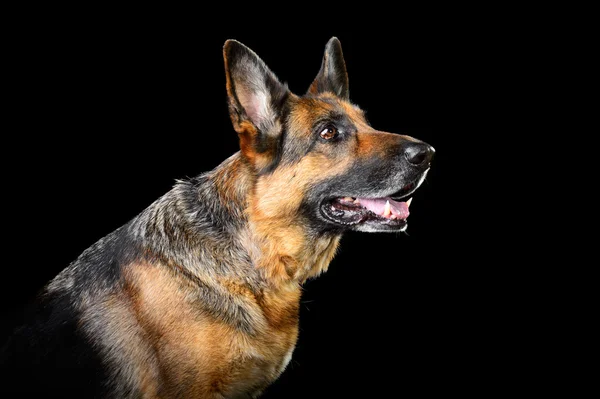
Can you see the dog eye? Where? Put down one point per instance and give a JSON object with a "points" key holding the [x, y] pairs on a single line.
{"points": [[329, 133]]}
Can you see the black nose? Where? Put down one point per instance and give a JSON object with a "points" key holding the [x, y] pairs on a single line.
{"points": [[419, 153]]}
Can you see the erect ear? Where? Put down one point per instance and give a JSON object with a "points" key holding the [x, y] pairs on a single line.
{"points": [[333, 76], [255, 94]]}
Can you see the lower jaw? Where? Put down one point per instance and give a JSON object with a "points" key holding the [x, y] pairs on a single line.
{"points": [[366, 221], [381, 226]]}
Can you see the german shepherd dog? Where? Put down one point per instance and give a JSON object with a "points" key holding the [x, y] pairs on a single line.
{"points": [[198, 296]]}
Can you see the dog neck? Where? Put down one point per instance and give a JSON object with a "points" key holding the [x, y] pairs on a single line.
{"points": [[281, 246]]}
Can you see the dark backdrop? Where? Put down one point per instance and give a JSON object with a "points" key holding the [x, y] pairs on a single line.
{"points": [[107, 113]]}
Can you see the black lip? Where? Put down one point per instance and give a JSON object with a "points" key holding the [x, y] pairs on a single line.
{"points": [[335, 215], [352, 217], [404, 192]]}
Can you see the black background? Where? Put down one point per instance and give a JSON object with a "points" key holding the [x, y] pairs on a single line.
{"points": [[107, 111]]}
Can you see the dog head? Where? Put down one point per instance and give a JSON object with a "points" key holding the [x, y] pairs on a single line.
{"points": [[315, 156]]}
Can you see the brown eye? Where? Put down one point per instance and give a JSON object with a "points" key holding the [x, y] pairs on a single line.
{"points": [[329, 133]]}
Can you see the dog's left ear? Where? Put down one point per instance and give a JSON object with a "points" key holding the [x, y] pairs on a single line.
{"points": [[333, 76], [255, 94]]}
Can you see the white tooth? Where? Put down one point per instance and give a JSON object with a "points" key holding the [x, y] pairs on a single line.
{"points": [[409, 201], [388, 209], [393, 217], [356, 201], [348, 199]]}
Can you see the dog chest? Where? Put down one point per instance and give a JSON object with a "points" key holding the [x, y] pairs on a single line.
{"points": [[194, 352]]}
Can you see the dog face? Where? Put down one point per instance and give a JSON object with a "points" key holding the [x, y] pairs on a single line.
{"points": [[316, 156]]}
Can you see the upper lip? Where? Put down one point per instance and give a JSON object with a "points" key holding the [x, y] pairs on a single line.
{"points": [[402, 196], [398, 195]]}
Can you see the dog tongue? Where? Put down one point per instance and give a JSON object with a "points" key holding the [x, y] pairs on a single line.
{"points": [[378, 206]]}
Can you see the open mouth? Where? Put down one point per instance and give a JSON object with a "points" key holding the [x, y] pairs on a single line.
{"points": [[387, 213]]}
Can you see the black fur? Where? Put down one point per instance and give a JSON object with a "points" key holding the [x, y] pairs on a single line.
{"points": [[50, 356], [386, 176], [333, 76]]}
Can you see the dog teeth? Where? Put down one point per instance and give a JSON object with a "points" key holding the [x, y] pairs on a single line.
{"points": [[347, 199], [409, 201], [387, 210], [356, 201], [393, 217]]}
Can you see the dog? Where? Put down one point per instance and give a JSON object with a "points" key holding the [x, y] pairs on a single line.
{"points": [[198, 296]]}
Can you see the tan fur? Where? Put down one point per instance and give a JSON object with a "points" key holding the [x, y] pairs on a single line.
{"points": [[188, 353], [286, 251], [123, 341]]}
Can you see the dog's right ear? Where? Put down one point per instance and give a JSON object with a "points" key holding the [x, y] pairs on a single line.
{"points": [[256, 96]]}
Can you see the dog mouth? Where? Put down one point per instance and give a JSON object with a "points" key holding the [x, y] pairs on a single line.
{"points": [[380, 213]]}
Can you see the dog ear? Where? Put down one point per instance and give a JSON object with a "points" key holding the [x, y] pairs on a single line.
{"points": [[333, 76], [255, 94]]}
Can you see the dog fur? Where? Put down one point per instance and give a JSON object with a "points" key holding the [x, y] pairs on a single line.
{"points": [[198, 296]]}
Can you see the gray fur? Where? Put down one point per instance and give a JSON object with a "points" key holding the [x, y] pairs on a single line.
{"points": [[194, 226]]}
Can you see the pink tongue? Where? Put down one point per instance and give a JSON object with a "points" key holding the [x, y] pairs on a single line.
{"points": [[377, 205]]}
